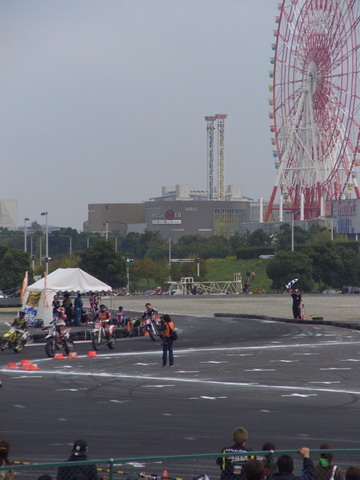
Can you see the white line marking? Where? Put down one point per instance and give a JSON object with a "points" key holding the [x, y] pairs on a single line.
{"points": [[196, 381]]}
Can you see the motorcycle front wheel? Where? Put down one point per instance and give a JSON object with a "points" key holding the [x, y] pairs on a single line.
{"points": [[69, 347], [3, 345], [50, 348], [96, 342], [19, 347], [111, 342]]}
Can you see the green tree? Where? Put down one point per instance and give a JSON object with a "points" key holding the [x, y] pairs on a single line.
{"points": [[288, 265], [283, 236], [147, 269], [259, 237], [104, 263], [13, 265], [334, 266]]}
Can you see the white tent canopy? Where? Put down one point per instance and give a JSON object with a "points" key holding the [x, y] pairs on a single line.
{"points": [[39, 296]]}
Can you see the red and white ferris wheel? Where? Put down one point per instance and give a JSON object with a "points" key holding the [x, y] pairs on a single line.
{"points": [[316, 105]]}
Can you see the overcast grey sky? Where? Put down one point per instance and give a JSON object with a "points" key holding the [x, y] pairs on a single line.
{"points": [[103, 101]]}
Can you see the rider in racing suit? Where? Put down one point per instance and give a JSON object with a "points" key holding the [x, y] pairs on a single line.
{"points": [[20, 322], [104, 317], [149, 312]]}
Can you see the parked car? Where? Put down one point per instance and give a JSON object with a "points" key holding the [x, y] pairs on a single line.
{"points": [[351, 289]]}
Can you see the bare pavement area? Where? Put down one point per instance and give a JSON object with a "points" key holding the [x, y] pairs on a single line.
{"points": [[339, 308]]}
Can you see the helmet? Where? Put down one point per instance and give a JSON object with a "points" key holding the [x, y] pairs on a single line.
{"points": [[102, 307]]}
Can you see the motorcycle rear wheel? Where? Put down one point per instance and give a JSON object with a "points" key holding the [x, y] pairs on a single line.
{"points": [[50, 348]]}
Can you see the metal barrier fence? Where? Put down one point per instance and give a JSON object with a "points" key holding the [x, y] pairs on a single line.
{"points": [[179, 467]]}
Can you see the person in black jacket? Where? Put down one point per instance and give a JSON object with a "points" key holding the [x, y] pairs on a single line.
{"points": [[285, 466], [231, 466], [79, 453]]}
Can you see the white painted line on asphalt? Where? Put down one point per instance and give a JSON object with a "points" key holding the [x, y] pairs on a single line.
{"points": [[250, 385]]}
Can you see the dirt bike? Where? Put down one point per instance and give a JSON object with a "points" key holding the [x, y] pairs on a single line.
{"points": [[151, 326], [99, 336], [56, 340], [14, 338]]}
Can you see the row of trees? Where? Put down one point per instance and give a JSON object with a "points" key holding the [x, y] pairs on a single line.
{"points": [[319, 262]]}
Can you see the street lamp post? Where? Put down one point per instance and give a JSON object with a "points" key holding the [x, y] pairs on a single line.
{"points": [[46, 241], [26, 219]]}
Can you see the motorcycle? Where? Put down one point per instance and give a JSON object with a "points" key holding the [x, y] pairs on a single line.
{"points": [[14, 338], [151, 326], [99, 336], [56, 340]]}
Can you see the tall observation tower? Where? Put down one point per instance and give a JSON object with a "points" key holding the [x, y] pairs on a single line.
{"points": [[215, 181], [210, 157]]}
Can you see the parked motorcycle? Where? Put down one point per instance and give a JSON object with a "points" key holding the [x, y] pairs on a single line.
{"points": [[14, 338], [58, 340], [99, 336]]}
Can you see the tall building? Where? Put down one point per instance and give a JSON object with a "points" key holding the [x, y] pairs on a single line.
{"points": [[8, 214]]}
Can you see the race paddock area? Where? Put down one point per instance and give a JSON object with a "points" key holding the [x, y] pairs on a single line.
{"points": [[286, 383]]}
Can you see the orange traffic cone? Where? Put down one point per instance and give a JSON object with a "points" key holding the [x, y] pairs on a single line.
{"points": [[91, 353], [73, 355], [24, 362], [30, 366], [12, 365], [59, 356]]}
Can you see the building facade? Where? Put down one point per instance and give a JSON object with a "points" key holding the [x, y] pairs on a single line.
{"points": [[121, 218], [8, 214], [176, 218]]}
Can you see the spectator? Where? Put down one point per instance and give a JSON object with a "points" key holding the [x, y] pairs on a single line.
{"points": [[66, 300], [325, 469], [254, 470], [232, 466], [55, 304], [78, 305], [166, 326], [268, 460], [79, 453], [352, 473], [285, 466], [121, 317], [69, 312], [4, 461]]}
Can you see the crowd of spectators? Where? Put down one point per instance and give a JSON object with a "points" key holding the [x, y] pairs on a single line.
{"points": [[236, 462]]}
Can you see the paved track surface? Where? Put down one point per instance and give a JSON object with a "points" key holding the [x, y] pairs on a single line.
{"points": [[292, 384]]}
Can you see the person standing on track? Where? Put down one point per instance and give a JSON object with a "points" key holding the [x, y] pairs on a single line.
{"points": [[297, 303], [166, 326]]}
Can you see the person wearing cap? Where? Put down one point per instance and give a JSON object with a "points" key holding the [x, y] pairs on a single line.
{"points": [[78, 454]]}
